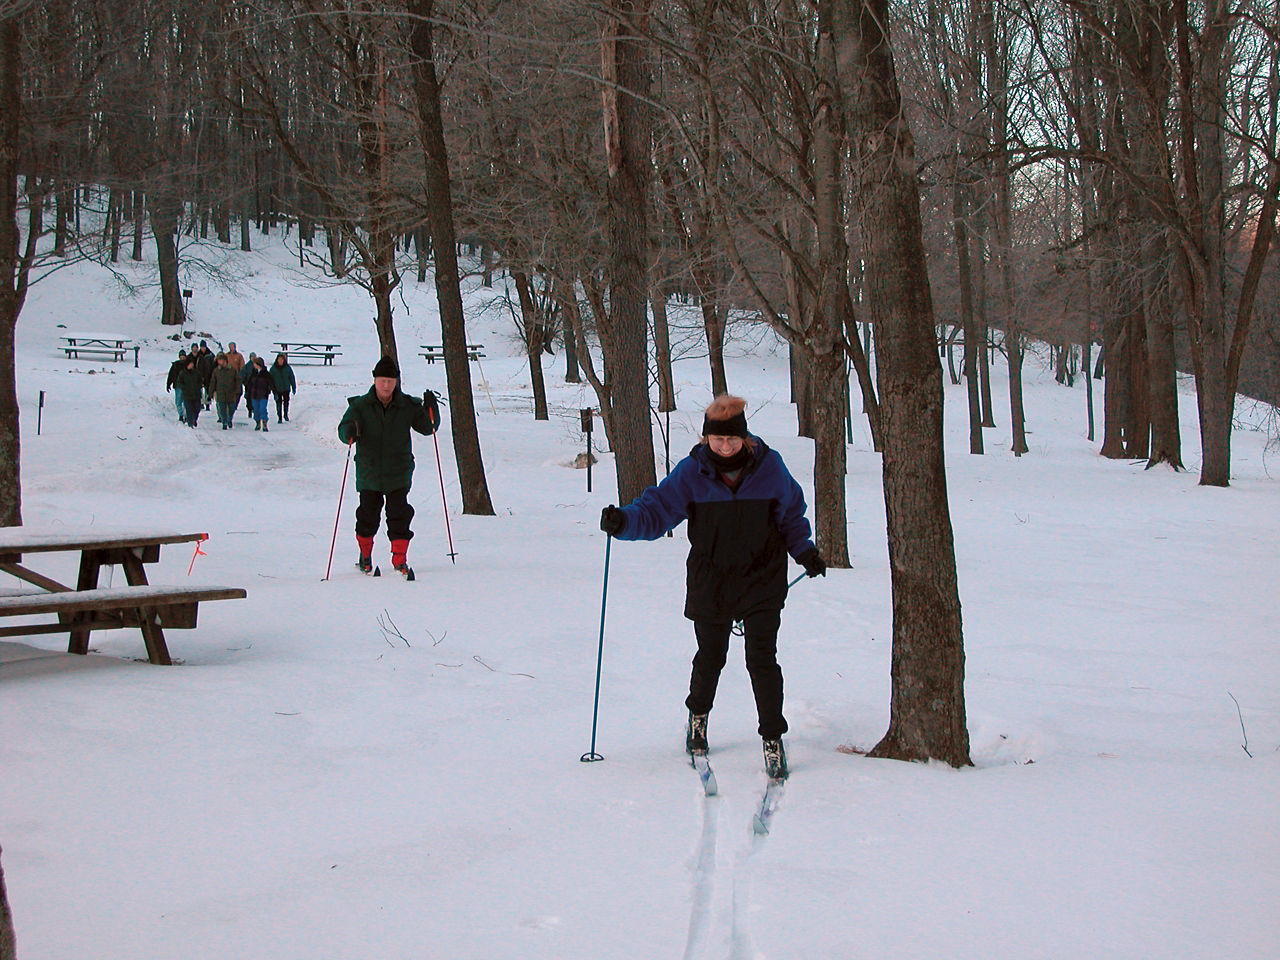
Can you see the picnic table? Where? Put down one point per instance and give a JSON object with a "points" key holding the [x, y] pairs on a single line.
{"points": [[432, 352], [87, 606], [98, 344], [324, 352]]}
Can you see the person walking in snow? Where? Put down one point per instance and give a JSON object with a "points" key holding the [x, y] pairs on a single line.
{"points": [[746, 513], [245, 371], [225, 383], [235, 359], [282, 384], [171, 384], [205, 362], [191, 385], [379, 424], [258, 390]]}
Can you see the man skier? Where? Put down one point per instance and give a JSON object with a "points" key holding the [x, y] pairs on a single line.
{"points": [[378, 423]]}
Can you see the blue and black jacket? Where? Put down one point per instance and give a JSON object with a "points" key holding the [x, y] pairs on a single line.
{"points": [[739, 539]]}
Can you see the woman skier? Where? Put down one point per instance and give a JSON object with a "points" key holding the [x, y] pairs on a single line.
{"points": [[746, 513]]}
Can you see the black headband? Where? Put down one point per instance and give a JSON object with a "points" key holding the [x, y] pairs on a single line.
{"points": [[735, 426]]}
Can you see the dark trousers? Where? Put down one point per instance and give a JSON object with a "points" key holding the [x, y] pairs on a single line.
{"points": [[761, 641], [282, 405], [193, 408], [399, 513]]}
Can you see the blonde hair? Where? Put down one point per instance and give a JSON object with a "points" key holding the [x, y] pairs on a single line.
{"points": [[726, 407]]}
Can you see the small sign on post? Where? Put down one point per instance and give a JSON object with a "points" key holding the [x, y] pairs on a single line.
{"points": [[586, 428]]}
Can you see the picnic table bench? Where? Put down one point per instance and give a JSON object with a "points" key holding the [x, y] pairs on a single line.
{"points": [[324, 352], [87, 606], [432, 352], [97, 344]]}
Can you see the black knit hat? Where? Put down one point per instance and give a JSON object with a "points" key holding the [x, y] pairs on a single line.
{"points": [[735, 426], [386, 367]]}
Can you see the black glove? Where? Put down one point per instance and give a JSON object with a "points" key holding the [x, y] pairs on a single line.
{"points": [[433, 407], [612, 520], [813, 563], [354, 434]]}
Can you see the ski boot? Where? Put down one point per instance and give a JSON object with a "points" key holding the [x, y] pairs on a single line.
{"points": [[400, 558], [365, 566], [695, 735], [775, 759]]}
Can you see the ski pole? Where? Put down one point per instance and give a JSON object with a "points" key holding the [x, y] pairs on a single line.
{"points": [[453, 555], [341, 491], [591, 756], [739, 629]]}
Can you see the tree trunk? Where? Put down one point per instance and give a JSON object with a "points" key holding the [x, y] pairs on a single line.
{"points": [[8, 939], [12, 280], [662, 348], [623, 337], [960, 233], [572, 373], [462, 412], [534, 337], [164, 228], [927, 712]]}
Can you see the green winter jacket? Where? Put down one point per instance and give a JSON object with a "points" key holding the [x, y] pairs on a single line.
{"points": [[384, 449], [224, 384]]}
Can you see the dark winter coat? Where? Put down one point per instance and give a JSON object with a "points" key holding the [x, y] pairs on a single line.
{"points": [[175, 369], [739, 539], [224, 384], [206, 365], [282, 380], [191, 383], [384, 448], [257, 386]]}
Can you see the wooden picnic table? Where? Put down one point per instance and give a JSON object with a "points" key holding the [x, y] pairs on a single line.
{"points": [[97, 344], [88, 607], [322, 351], [431, 352]]}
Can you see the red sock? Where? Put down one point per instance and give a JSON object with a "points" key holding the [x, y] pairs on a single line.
{"points": [[399, 552], [366, 546]]}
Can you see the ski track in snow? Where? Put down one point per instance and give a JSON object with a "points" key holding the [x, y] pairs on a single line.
{"points": [[720, 916]]}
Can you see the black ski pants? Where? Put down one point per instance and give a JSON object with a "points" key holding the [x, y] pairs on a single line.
{"points": [[399, 513], [761, 640], [282, 404]]}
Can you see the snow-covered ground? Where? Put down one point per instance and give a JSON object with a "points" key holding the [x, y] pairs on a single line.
{"points": [[360, 769]]}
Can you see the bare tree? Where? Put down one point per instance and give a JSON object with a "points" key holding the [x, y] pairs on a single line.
{"points": [[927, 718], [426, 87]]}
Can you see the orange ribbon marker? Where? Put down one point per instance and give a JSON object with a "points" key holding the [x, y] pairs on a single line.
{"points": [[198, 553]]}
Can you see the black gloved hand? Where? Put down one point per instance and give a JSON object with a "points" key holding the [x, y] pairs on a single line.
{"points": [[430, 401], [612, 520], [813, 563]]}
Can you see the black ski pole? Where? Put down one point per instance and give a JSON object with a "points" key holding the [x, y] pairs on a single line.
{"points": [[591, 756], [342, 490]]}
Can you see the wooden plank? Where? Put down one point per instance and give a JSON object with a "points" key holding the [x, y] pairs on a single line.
{"points": [[113, 598], [15, 541], [30, 576]]}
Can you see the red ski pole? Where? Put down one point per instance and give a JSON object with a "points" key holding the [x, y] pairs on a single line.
{"points": [[453, 555], [338, 515]]}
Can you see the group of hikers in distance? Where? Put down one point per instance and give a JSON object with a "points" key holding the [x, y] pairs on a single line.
{"points": [[746, 515], [201, 377]]}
